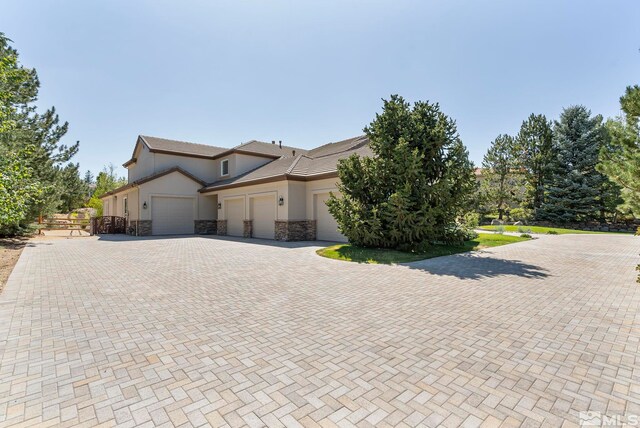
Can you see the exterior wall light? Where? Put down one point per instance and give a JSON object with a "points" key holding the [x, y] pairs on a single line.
{"points": [[281, 200], [219, 205], [144, 205]]}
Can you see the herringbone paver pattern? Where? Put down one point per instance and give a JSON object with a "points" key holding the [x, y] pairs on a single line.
{"points": [[199, 331]]}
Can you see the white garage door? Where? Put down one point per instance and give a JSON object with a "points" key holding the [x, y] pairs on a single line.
{"points": [[171, 215], [327, 227], [234, 213], [263, 214]]}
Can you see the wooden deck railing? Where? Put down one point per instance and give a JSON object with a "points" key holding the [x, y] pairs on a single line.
{"points": [[108, 225]]}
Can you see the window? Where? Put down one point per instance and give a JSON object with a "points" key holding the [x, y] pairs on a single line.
{"points": [[224, 167], [126, 206]]}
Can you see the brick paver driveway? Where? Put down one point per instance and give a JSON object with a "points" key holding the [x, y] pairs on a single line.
{"points": [[195, 331]]}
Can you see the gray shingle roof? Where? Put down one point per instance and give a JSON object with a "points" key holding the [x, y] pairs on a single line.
{"points": [[303, 166], [182, 147], [325, 159], [274, 169], [269, 149], [339, 146], [153, 177]]}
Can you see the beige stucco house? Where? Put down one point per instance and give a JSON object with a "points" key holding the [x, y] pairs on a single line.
{"points": [[256, 189]]}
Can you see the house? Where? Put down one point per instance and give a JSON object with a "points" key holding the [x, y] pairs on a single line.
{"points": [[256, 189]]}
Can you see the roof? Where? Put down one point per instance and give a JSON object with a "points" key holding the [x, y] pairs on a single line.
{"points": [[153, 177], [156, 144], [340, 146], [184, 148], [302, 167], [260, 148], [326, 157]]}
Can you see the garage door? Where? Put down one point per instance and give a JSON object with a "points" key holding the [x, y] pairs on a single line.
{"points": [[234, 213], [263, 214], [327, 227], [171, 215]]}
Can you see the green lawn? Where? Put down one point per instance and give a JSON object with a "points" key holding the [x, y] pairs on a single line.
{"points": [[540, 229], [384, 256]]}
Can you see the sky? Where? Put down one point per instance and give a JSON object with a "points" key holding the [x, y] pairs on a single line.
{"points": [[309, 73]]}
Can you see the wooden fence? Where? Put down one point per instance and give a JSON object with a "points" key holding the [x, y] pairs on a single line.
{"points": [[59, 223]]}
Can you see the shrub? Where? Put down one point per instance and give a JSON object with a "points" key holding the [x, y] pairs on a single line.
{"points": [[95, 203], [524, 229], [18, 230], [471, 220], [499, 229], [458, 233], [521, 214], [552, 232], [526, 235]]}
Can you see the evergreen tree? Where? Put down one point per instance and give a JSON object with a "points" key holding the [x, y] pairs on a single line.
{"points": [[410, 192], [620, 159], [501, 185], [89, 179], [576, 191], [74, 193], [534, 145]]}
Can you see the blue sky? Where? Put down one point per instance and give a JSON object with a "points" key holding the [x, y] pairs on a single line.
{"points": [[307, 73]]}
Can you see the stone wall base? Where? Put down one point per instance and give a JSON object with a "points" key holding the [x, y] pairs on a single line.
{"points": [[221, 227], [142, 227], [248, 229], [205, 227], [295, 230]]}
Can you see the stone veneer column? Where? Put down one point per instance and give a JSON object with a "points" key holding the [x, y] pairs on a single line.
{"points": [[143, 227], [248, 228], [205, 227], [295, 230], [221, 226]]}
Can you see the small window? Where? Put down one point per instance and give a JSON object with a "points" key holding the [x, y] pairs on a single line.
{"points": [[224, 167], [126, 206]]}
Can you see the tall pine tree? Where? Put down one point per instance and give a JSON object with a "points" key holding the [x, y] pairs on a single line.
{"points": [[502, 182], [575, 191], [620, 159], [534, 143]]}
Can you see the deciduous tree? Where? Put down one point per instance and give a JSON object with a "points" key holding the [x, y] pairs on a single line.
{"points": [[32, 139]]}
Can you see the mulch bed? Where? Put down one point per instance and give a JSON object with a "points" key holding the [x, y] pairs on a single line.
{"points": [[10, 250]]}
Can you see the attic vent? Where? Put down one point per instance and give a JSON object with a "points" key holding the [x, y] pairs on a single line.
{"points": [[280, 143], [293, 152], [273, 141]]}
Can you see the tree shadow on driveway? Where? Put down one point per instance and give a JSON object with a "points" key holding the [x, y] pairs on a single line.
{"points": [[476, 266]]}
